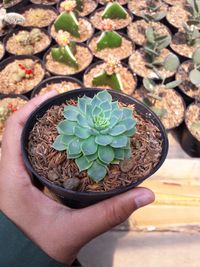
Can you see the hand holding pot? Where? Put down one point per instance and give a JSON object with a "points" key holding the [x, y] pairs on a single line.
{"points": [[58, 230]]}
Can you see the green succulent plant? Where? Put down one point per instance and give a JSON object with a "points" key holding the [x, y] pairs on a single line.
{"points": [[96, 133], [109, 39], [153, 12], [154, 95], [192, 35], [114, 11], [193, 7], [10, 19], [153, 47], [194, 74]]}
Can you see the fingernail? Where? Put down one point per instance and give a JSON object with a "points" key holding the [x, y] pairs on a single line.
{"points": [[144, 197]]}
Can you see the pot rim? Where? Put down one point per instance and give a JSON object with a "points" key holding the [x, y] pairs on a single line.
{"points": [[45, 105]]}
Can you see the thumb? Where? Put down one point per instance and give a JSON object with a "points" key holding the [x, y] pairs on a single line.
{"points": [[101, 217]]}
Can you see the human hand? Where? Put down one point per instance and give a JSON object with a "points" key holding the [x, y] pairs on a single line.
{"points": [[58, 230]]}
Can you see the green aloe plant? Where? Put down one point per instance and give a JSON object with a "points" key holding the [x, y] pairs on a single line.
{"points": [[154, 95], [153, 47], [153, 12], [193, 7], [96, 133], [194, 74], [192, 35]]}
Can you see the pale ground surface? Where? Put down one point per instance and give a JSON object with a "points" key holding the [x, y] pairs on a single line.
{"points": [[131, 249]]}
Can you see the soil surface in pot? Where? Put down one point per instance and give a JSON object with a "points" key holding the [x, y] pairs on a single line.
{"points": [[1, 50], [118, 24], [12, 3], [137, 7], [186, 85], [170, 101], [122, 52], [177, 15], [180, 46], [192, 117], [45, 2], [85, 27], [83, 57], [7, 107], [105, 2], [38, 17], [146, 147], [136, 30], [137, 62], [175, 2], [61, 87], [17, 45], [9, 78], [128, 81], [88, 7]]}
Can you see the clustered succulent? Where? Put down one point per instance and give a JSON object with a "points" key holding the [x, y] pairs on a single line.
{"points": [[21, 72], [193, 7], [194, 74], [96, 133], [153, 46], [153, 12], [5, 112], [192, 35], [10, 19]]}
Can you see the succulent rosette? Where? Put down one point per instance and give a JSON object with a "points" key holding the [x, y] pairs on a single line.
{"points": [[96, 133]]}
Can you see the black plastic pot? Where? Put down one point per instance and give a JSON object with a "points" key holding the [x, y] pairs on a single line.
{"points": [[1, 57], [49, 31], [39, 54], [77, 75], [189, 142], [123, 29], [54, 80], [13, 8], [46, 4], [101, 62], [83, 199], [9, 60], [34, 6], [122, 34]]}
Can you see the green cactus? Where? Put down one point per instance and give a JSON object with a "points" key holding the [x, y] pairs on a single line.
{"points": [[79, 5], [114, 11], [194, 74], [113, 81], [109, 39], [96, 133]]}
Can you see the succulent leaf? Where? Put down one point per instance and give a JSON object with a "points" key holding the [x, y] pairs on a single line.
{"points": [[171, 62], [173, 84], [196, 57], [195, 77], [96, 133]]}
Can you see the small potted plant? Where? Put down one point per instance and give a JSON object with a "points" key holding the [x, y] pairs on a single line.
{"points": [[110, 42], [79, 28], [150, 10], [136, 30], [83, 7], [38, 15], [113, 11], [20, 74], [110, 74], [189, 74], [8, 105], [189, 11], [29, 41], [163, 100], [186, 41], [68, 58], [97, 145], [9, 21], [153, 60], [61, 84], [190, 139]]}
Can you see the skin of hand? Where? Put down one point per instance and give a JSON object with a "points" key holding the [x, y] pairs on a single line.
{"points": [[58, 230]]}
